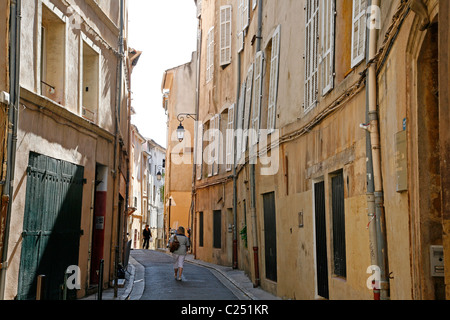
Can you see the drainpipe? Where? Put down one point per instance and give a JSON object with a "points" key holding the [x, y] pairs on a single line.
{"points": [[252, 170], [116, 147], [13, 120], [373, 128]]}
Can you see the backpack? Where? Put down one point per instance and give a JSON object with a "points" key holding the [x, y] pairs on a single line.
{"points": [[175, 244]]}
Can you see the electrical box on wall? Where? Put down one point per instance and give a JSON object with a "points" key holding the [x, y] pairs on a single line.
{"points": [[437, 261], [4, 97]]}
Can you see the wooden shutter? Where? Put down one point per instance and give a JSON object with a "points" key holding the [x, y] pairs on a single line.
{"points": [[225, 35], [217, 145], [199, 157], [273, 85], [257, 95], [311, 56], [248, 101], [230, 138], [245, 14], [210, 149], [240, 122], [240, 29], [328, 20], [359, 31], [199, 8], [210, 55]]}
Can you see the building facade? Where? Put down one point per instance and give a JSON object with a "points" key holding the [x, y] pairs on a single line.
{"points": [[179, 87], [147, 189], [68, 205], [156, 177], [334, 172]]}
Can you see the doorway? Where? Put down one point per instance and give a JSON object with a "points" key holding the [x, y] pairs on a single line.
{"points": [[51, 226], [270, 235], [321, 240]]}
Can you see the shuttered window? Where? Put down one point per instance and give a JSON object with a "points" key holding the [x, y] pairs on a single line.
{"points": [[359, 31], [311, 54], [273, 84], [199, 8], [199, 153], [240, 122], [225, 35], [257, 93], [210, 56], [248, 101], [217, 145], [245, 14], [243, 22], [230, 138], [328, 21]]}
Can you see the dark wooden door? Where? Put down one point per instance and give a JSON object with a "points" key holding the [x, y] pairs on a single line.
{"points": [[270, 236], [338, 211], [51, 227], [321, 240]]}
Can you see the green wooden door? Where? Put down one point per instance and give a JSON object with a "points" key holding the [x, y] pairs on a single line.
{"points": [[51, 227]]}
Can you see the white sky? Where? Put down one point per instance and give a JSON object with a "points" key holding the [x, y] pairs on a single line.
{"points": [[166, 32]]}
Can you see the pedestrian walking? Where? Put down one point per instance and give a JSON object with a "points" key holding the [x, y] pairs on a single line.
{"points": [[179, 254], [147, 235]]}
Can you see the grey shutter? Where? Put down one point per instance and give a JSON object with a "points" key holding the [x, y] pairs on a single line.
{"points": [[311, 56], [257, 95], [230, 138], [225, 35], [273, 85], [359, 31], [328, 21], [248, 101]]}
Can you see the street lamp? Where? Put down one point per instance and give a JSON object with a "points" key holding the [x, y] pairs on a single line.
{"points": [[159, 175], [180, 129]]}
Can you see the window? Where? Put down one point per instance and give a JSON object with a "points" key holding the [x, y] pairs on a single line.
{"points": [[225, 35], [338, 212], [230, 139], [90, 79], [248, 101], [199, 8], [240, 122], [210, 56], [311, 56], [328, 22], [243, 22], [199, 151], [257, 94], [52, 53], [273, 84], [217, 229], [359, 31]]}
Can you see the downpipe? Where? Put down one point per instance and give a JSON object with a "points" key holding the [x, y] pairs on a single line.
{"points": [[13, 122], [377, 224]]}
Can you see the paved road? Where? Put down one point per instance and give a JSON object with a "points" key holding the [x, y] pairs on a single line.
{"points": [[198, 283]]}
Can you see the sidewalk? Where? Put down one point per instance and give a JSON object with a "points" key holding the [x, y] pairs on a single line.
{"points": [[235, 280]]}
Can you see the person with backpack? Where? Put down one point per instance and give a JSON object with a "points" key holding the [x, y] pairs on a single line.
{"points": [[179, 245]]}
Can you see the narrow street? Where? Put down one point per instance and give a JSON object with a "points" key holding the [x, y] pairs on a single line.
{"points": [[198, 283]]}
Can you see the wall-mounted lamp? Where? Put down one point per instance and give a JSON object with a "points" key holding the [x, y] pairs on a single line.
{"points": [[180, 129]]}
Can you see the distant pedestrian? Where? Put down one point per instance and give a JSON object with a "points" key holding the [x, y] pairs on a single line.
{"points": [[147, 235], [179, 255]]}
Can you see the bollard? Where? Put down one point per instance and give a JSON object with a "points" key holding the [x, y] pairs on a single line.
{"points": [[100, 280], [40, 287]]}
